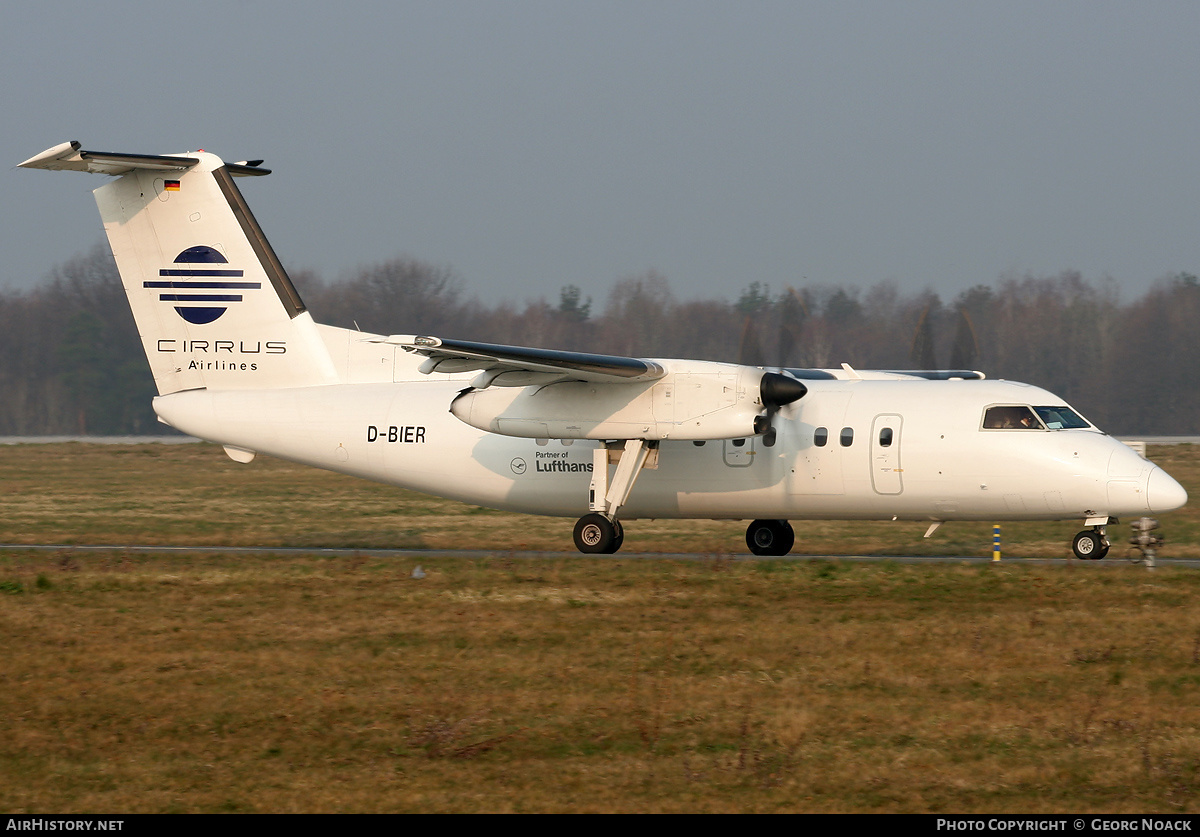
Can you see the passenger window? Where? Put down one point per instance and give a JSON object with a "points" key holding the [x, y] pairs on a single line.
{"points": [[699, 443], [737, 443], [820, 437], [847, 436], [1015, 417], [769, 438], [885, 437]]}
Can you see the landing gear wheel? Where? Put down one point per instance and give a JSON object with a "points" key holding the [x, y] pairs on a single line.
{"points": [[595, 534], [770, 537], [1089, 546]]}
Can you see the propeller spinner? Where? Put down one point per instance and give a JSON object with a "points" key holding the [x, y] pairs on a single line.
{"points": [[775, 391]]}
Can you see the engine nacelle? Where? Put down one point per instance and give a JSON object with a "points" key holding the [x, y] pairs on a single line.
{"points": [[697, 401]]}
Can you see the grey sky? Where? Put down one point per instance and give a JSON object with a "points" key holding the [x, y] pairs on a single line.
{"points": [[530, 145]]}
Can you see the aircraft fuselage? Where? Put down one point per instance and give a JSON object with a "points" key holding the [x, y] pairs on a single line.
{"points": [[939, 461]]}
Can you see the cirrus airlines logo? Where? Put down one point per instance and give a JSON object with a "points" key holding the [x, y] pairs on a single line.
{"points": [[200, 293]]}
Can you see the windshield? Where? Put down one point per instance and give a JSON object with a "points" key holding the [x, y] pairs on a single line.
{"points": [[1023, 417], [1061, 418]]}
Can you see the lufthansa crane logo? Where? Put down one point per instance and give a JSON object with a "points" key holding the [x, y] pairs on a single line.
{"points": [[195, 289]]}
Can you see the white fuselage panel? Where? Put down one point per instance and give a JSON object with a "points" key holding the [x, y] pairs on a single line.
{"points": [[891, 449]]}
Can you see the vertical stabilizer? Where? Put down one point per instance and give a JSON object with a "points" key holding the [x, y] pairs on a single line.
{"points": [[214, 307]]}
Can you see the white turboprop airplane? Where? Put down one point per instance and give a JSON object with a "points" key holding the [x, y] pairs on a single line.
{"points": [[239, 361]]}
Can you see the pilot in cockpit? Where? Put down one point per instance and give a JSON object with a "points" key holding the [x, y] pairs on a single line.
{"points": [[1010, 417]]}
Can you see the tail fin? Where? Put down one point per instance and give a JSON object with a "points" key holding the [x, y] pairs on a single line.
{"points": [[214, 307]]}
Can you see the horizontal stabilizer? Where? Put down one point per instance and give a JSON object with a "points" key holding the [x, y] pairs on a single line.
{"points": [[70, 156]]}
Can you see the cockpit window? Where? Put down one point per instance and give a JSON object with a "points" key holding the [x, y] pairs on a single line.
{"points": [[1061, 418], [1011, 417]]}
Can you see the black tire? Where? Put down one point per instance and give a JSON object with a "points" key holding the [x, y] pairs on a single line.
{"points": [[1089, 546], [770, 537], [595, 534]]}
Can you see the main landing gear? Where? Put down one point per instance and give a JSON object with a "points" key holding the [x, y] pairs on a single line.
{"points": [[770, 537], [595, 534], [599, 532], [1090, 544]]}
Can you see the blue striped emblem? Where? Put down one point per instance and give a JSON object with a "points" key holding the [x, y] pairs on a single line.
{"points": [[195, 289]]}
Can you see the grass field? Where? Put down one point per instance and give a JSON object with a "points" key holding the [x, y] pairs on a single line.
{"points": [[254, 683]]}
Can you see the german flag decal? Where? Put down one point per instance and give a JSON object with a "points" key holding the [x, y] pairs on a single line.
{"points": [[171, 185]]}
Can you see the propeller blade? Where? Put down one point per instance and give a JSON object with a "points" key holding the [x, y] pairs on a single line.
{"points": [[792, 314], [750, 350], [922, 345], [966, 345]]}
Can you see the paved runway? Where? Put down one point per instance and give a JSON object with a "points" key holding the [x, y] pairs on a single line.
{"points": [[1114, 559], [180, 439]]}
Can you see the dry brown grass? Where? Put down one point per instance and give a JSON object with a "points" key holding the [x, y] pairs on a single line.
{"points": [[342, 684], [253, 683]]}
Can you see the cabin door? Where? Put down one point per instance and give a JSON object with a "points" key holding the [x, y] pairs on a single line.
{"points": [[887, 475]]}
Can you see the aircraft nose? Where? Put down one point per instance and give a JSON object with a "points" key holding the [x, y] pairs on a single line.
{"points": [[1163, 494]]}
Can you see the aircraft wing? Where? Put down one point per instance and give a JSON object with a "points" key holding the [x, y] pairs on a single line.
{"points": [[522, 366]]}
